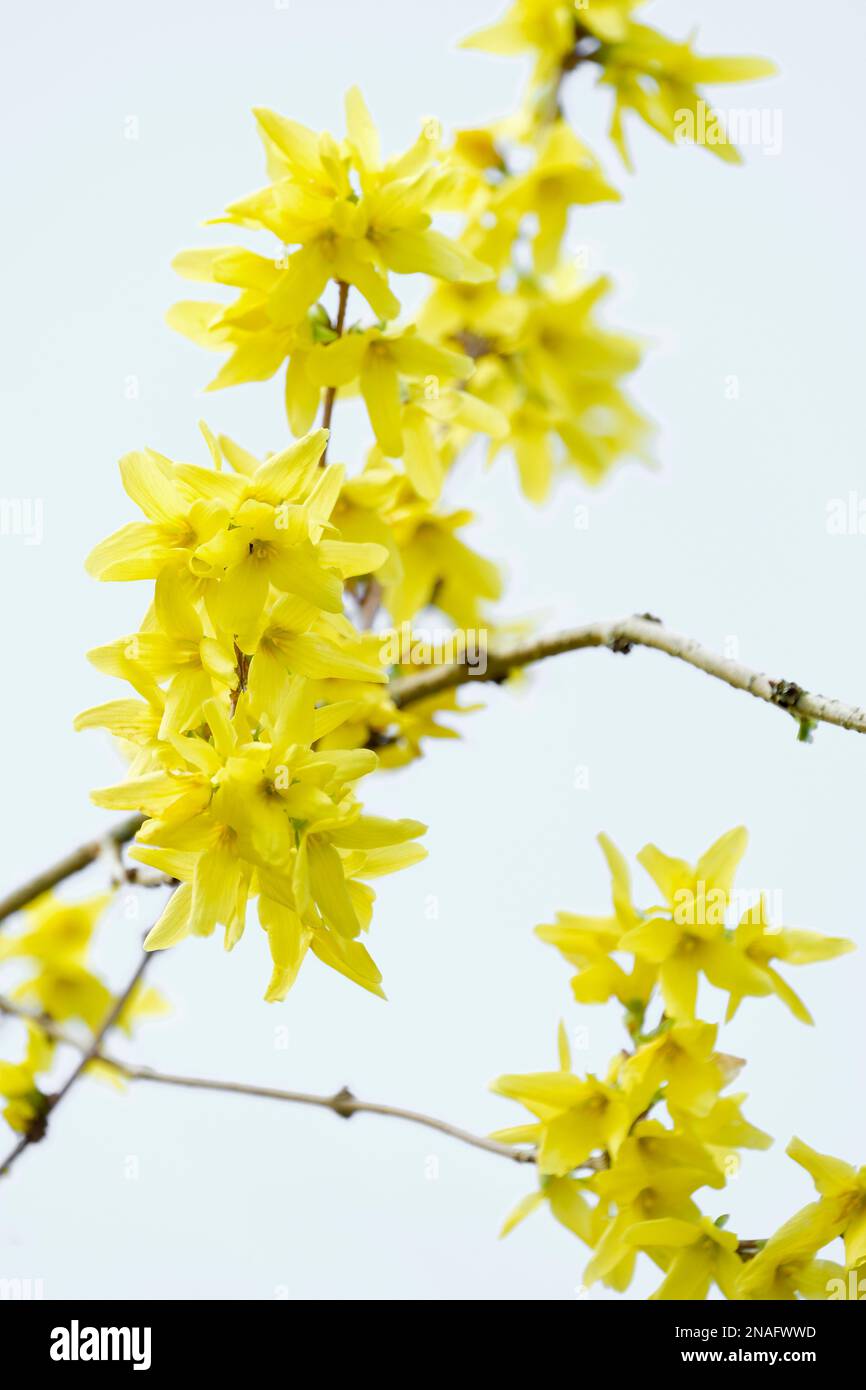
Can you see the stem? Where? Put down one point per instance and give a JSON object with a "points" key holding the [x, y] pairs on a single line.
{"points": [[331, 392], [619, 637], [343, 1103], [72, 863], [89, 1053]]}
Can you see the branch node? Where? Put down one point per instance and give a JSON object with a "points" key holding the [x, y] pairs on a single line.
{"points": [[786, 694], [344, 1103]]}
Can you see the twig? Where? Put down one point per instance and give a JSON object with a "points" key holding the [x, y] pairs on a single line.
{"points": [[331, 392], [90, 1052], [71, 864], [621, 637], [369, 604], [343, 1103]]}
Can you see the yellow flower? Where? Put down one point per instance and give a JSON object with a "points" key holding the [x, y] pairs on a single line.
{"points": [[761, 943], [234, 816], [551, 28], [681, 1059], [246, 626], [56, 930], [568, 1205], [550, 372], [377, 361], [786, 1268], [18, 1083], [575, 1116], [565, 174], [353, 218], [700, 1252], [656, 78], [843, 1198], [690, 937], [546, 26], [722, 1130], [588, 943]]}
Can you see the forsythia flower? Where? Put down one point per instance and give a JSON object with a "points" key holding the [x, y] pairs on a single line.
{"points": [[354, 219], [56, 930], [428, 564], [551, 29], [762, 943], [26, 1105], [553, 374], [640, 1172], [785, 1266], [541, 361], [610, 1169], [700, 1253], [55, 943], [574, 1116], [246, 620], [588, 941], [565, 174], [686, 937], [652, 75], [657, 79]]}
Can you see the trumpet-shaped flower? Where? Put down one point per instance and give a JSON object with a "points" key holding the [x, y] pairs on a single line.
{"points": [[574, 1116], [761, 943], [682, 1062], [700, 1253], [26, 1105], [354, 220], [588, 943]]}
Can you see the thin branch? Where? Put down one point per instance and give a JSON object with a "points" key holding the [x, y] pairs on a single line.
{"points": [[621, 636], [331, 392], [90, 1052], [618, 636], [72, 863], [343, 1103]]}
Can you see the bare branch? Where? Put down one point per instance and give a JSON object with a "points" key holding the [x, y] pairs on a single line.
{"points": [[71, 864], [344, 1103], [618, 636], [621, 636], [90, 1052], [331, 391]]}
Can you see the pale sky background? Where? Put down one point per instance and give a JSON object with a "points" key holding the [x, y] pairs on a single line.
{"points": [[751, 274]]}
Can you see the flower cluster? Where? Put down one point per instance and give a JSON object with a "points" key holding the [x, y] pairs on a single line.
{"points": [[501, 350], [786, 1265], [353, 221], [348, 222], [245, 631], [654, 77], [57, 985], [541, 357], [686, 937], [610, 1167]]}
